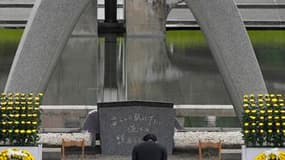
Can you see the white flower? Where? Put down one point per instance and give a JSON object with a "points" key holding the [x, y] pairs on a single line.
{"points": [[274, 151], [18, 153]]}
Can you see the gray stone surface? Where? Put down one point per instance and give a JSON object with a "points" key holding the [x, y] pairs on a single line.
{"points": [[87, 23], [62, 117], [123, 124], [230, 45], [44, 38], [73, 80], [145, 17]]}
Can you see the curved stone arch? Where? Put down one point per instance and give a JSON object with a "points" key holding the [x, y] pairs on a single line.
{"points": [[219, 20], [224, 30], [44, 38]]}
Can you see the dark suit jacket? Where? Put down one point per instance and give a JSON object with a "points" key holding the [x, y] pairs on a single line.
{"points": [[149, 151]]}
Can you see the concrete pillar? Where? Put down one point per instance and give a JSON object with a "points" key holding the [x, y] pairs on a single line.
{"points": [[74, 79], [227, 38], [111, 58], [211, 120], [143, 81], [43, 41], [145, 27], [145, 17], [87, 24], [111, 68]]}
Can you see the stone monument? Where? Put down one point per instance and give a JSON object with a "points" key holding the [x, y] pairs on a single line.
{"points": [[123, 124]]}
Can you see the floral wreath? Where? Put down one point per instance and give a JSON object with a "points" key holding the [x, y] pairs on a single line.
{"points": [[16, 154], [273, 154]]}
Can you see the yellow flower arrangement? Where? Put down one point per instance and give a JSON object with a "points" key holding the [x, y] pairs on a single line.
{"points": [[273, 154], [16, 154], [19, 119], [263, 120]]}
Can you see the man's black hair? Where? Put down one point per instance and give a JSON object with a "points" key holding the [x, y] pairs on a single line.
{"points": [[149, 137]]}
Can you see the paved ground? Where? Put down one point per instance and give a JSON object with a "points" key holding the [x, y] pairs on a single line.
{"points": [[184, 156], [173, 157], [178, 154]]}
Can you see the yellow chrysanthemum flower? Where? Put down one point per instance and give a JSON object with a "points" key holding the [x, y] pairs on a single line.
{"points": [[276, 117], [29, 131], [262, 111], [274, 100], [252, 117]]}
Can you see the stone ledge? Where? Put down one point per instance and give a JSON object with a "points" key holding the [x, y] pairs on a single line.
{"points": [[56, 138], [181, 139], [190, 139]]}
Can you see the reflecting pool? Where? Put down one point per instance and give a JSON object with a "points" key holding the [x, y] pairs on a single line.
{"points": [[178, 69]]}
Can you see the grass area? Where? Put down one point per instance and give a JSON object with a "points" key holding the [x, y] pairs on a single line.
{"points": [[267, 41], [10, 35], [9, 40], [195, 38], [180, 38], [267, 37], [269, 45]]}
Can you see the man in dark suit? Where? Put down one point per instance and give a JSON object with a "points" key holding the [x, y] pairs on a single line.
{"points": [[149, 149]]}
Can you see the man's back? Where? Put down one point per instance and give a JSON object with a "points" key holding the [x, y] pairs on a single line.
{"points": [[149, 151]]}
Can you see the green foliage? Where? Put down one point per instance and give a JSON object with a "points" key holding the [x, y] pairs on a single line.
{"points": [[10, 35], [19, 119], [267, 37], [9, 40], [186, 38], [196, 38], [264, 120]]}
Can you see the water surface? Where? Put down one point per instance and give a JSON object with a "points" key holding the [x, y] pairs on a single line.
{"points": [[179, 69]]}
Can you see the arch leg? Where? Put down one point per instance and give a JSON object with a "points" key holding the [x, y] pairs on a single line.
{"points": [[227, 38], [44, 38]]}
